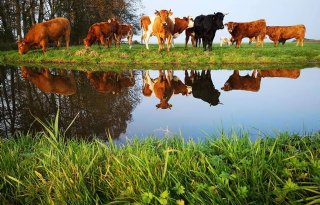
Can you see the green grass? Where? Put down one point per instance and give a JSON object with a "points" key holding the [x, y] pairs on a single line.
{"points": [[138, 55], [44, 168]]}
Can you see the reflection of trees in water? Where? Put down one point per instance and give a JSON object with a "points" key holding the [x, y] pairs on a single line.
{"points": [[99, 113]]}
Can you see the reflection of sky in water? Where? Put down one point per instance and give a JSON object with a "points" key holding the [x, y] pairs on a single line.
{"points": [[282, 104]]}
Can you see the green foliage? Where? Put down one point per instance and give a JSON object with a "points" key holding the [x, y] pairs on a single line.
{"points": [[45, 168]]}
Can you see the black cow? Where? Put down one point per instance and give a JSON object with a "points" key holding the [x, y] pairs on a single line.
{"points": [[205, 28], [202, 86]]}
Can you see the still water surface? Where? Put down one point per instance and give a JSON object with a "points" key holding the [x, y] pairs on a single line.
{"points": [[142, 103]]}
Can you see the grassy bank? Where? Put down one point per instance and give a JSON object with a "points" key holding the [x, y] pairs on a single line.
{"points": [[45, 169], [138, 55]]}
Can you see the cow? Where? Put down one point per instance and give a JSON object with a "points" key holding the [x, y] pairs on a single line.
{"points": [[282, 33], [180, 24], [164, 87], [49, 83], [282, 73], [205, 27], [251, 29], [247, 83], [190, 33], [225, 41], [162, 28], [110, 82], [202, 86], [124, 31], [252, 40], [41, 33], [100, 32]]}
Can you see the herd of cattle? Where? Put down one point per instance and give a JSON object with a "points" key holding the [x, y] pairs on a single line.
{"points": [[163, 86], [165, 28]]}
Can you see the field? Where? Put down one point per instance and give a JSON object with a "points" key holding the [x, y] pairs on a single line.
{"points": [[220, 57]]}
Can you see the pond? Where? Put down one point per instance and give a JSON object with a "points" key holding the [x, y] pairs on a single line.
{"points": [[140, 103]]}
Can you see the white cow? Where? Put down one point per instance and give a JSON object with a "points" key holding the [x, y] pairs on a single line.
{"points": [[225, 41]]}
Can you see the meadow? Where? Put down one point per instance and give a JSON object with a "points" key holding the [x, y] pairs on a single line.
{"points": [[223, 57]]}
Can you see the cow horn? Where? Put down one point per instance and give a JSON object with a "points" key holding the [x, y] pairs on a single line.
{"points": [[226, 14], [156, 12]]}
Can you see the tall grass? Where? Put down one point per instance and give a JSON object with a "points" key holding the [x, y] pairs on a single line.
{"points": [[44, 168], [138, 55]]}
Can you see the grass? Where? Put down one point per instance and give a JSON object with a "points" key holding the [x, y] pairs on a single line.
{"points": [[44, 168], [138, 55]]}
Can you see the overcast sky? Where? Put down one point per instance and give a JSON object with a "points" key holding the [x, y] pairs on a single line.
{"points": [[276, 12]]}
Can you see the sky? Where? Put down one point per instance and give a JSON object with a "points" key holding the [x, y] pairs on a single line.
{"points": [[275, 12]]}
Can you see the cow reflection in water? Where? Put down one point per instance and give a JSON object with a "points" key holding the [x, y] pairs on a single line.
{"points": [[252, 82], [282, 73], [247, 82], [110, 81], [63, 84], [202, 86], [164, 87]]}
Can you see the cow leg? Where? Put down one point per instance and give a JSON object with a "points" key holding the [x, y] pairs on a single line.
{"points": [[130, 41], [147, 39], [204, 42], [238, 43], [159, 43], [170, 41], [59, 42], [43, 45], [187, 39], [101, 38]]}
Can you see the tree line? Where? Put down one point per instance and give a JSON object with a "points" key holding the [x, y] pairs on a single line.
{"points": [[17, 16]]}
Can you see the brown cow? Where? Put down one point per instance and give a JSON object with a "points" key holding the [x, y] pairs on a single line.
{"points": [[282, 33], [248, 83], [101, 32], [41, 33], [251, 29], [190, 33], [164, 87], [180, 25], [49, 83], [110, 82], [124, 31], [162, 28], [283, 73]]}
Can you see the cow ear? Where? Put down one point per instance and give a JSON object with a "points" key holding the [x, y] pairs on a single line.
{"points": [[156, 13]]}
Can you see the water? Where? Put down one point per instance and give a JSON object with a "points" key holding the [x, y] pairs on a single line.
{"points": [[113, 103]]}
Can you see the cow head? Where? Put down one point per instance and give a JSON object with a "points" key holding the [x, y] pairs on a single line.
{"points": [[230, 26], [164, 105], [190, 21], [23, 46], [226, 87], [218, 20], [26, 72], [86, 42], [164, 15]]}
